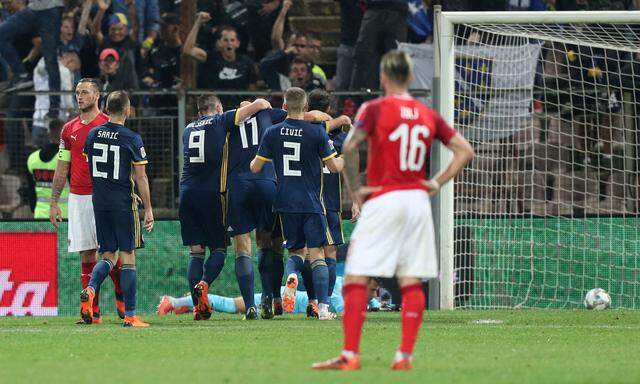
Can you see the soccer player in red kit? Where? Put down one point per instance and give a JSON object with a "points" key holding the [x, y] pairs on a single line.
{"points": [[394, 235], [82, 228]]}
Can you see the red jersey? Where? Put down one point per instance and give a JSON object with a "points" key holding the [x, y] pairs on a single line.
{"points": [[400, 130], [72, 139]]}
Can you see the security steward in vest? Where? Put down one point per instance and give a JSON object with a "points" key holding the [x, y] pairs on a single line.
{"points": [[41, 165]]}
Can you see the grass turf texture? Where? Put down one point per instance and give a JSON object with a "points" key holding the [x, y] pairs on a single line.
{"points": [[529, 346]]}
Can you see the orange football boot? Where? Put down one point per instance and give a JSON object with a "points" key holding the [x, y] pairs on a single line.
{"points": [[134, 321], [402, 365], [204, 307], [86, 305], [196, 314], [289, 294], [341, 363], [165, 306]]}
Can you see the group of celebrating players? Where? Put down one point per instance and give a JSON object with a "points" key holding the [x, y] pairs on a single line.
{"points": [[276, 172]]}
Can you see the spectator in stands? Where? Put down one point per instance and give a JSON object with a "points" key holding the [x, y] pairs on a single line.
{"points": [[261, 17], [145, 24], [314, 49], [41, 166], [420, 21], [119, 39], [350, 18], [72, 40], [383, 24], [28, 45], [223, 67], [163, 65], [300, 75], [275, 67], [43, 16], [114, 77], [67, 66], [162, 69]]}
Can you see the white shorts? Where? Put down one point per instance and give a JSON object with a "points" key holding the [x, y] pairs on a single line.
{"points": [[82, 224], [394, 237]]}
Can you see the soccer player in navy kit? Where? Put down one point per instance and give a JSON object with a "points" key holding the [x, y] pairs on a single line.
{"points": [[251, 198], [298, 150], [203, 186], [331, 197], [116, 157]]}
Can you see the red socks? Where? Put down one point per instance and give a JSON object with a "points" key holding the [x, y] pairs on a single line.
{"points": [[413, 304], [355, 309], [115, 277]]}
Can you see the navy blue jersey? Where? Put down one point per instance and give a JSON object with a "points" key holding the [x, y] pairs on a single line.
{"points": [[205, 153], [297, 149], [243, 144], [112, 150], [331, 182]]}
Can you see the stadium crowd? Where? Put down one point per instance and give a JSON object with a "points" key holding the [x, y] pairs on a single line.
{"points": [[242, 45]]}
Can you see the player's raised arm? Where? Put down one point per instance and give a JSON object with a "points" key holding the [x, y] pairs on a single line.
{"points": [[246, 111], [462, 154]]}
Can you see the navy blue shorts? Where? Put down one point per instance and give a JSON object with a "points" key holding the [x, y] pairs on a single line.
{"points": [[118, 230], [251, 206], [202, 218], [304, 230], [334, 228]]}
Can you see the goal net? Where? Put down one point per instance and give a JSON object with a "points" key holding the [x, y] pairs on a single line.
{"points": [[548, 209]]}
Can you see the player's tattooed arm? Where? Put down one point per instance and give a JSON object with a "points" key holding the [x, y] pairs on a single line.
{"points": [[352, 164], [59, 181], [142, 182], [355, 164], [190, 48], [462, 154], [251, 109]]}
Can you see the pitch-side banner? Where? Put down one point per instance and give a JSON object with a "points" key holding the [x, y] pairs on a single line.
{"points": [[494, 86], [28, 274]]}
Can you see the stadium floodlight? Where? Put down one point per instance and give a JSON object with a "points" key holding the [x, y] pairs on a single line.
{"points": [[548, 209]]}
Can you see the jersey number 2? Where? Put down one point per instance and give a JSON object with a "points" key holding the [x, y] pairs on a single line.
{"points": [[287, 159], [413, 150], [104, 149]]}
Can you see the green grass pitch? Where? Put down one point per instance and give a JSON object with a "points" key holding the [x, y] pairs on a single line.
{"points": [[532, 346]]}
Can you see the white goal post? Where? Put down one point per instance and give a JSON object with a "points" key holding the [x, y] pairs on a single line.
{"points": [[541, 219]]}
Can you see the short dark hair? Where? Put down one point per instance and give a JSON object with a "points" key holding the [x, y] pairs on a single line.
{"points": [[397, 66], [169, 18], [298, 60], [313, 36], [225, 27], [117, 103], [207, 102], [91, 80], [319, 100], [56, 124], [295, 98]]}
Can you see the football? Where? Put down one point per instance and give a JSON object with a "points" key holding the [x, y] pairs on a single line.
{"points": [[597, 299]]}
